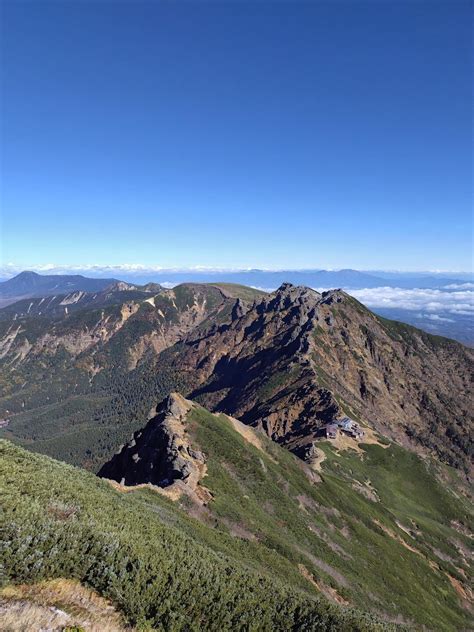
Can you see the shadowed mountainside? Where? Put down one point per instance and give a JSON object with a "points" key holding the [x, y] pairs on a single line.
{"points": [[296, 359], [285, 363]]}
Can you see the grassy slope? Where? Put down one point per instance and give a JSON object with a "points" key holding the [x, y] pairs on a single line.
{"points": [[348, 542], [142, 552], [240, 291], [266, 519]]}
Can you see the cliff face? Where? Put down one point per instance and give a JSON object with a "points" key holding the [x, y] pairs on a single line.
{"points": [[116, 326], [160, 453], [297, 359]]}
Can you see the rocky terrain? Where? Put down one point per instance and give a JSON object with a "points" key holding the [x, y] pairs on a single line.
{"points": [[160, 454], [285, 363], [297, 359], [33, 329]]}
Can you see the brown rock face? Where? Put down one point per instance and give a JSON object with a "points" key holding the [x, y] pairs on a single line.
{"points": [[257, 367], [101, 334], [160, 453], [297, 358]]}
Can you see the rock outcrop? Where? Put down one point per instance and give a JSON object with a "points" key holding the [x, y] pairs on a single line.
{"points": [[160, 454], [297, 359]]}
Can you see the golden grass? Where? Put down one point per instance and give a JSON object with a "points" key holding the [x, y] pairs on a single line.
{"points": [[57, 605]]}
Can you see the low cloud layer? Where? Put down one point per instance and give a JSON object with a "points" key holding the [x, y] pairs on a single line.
{"points": [[459, 302], [459, 286], [436, 318]]}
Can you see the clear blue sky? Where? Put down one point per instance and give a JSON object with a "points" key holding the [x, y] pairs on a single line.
{"points": [[237, 134]]}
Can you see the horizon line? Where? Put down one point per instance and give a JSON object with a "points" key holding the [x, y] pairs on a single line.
{"points": [[137, 268]]}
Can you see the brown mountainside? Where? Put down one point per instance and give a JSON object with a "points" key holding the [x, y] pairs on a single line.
{"points": [[297, 359], [98, 329], [285, 363]]}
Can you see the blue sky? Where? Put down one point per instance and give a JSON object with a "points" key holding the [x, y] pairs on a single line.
{"points": [[278, 135]]}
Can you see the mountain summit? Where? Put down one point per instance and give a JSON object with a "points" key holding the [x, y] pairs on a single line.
{"points": [[287, 363], [32, 284], [297, 359]]}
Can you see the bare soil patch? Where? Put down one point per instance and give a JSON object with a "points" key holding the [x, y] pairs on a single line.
{"points": [[328, 591]]}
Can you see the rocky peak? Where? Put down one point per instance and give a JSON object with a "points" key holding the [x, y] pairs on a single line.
{"points": [[290, 297], [286, 287], [333, 296], [160, 454], [297, 292], [174, 406], [152, 287], [121, 286]]}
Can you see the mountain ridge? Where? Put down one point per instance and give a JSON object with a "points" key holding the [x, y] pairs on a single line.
{"points": [[286, 362], [406, 297], [253, 498], [294, 336], [32, 284], [236, 465]]}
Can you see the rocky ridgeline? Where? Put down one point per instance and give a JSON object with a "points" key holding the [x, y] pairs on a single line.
{"points": [[296, 359], [285, 363]]}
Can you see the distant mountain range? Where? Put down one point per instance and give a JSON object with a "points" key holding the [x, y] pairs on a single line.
{"points": [[437, 303], [33, 284], [28, 282], [346, 279], [266, 279]]}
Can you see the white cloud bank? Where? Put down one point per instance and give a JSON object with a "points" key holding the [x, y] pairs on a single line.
{"points": [[459, 286], [432, 301]]}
